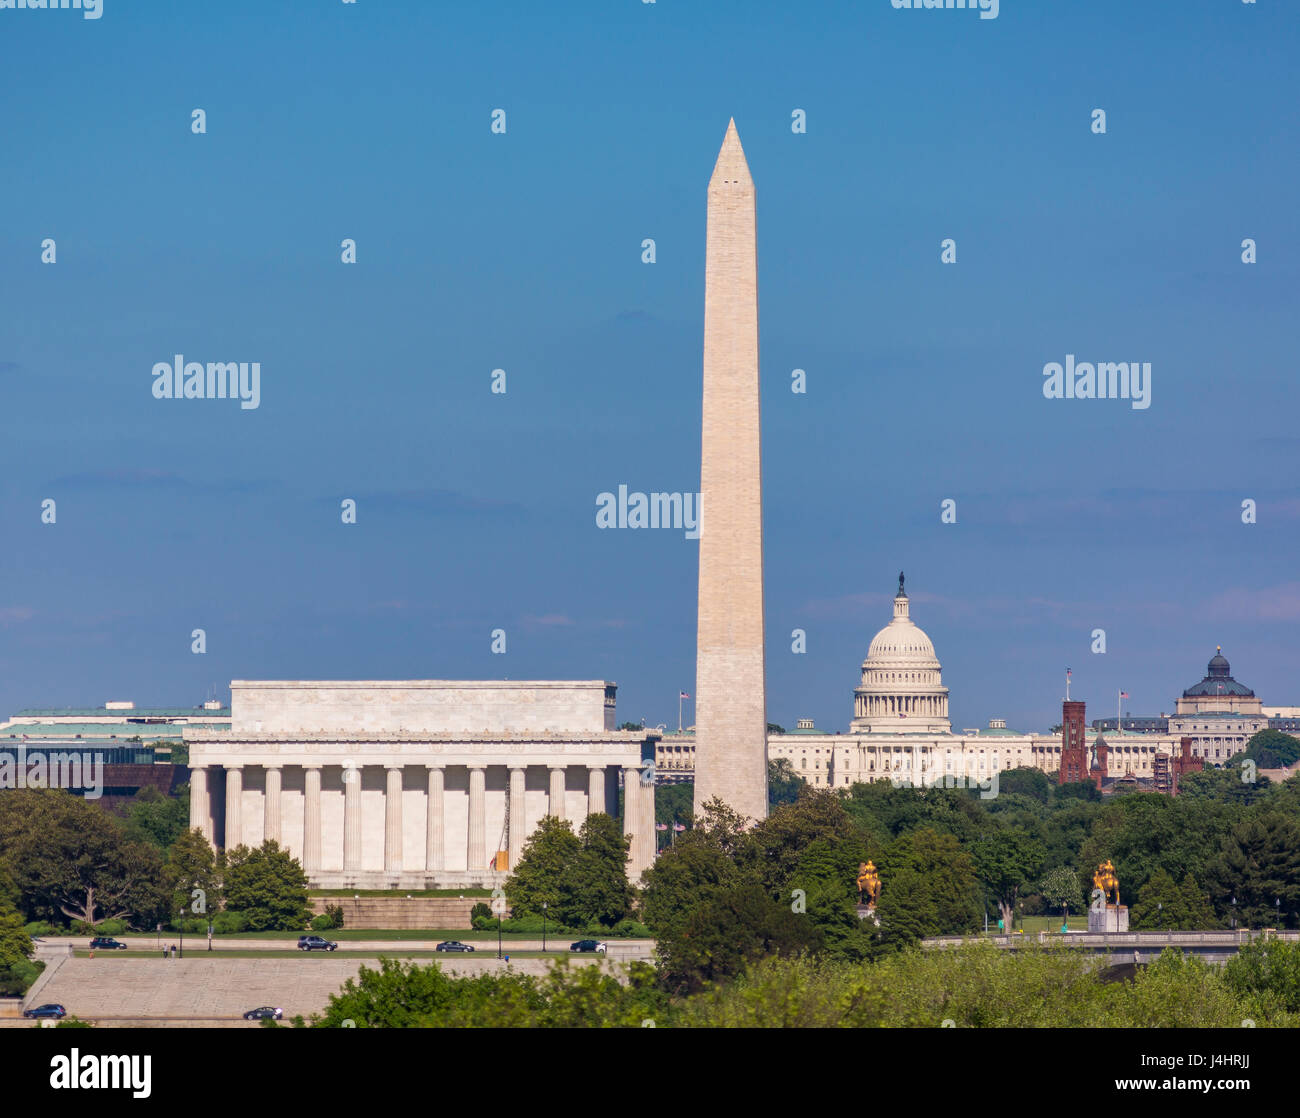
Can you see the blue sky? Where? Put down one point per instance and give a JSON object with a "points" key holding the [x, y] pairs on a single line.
{"points": [[522, 251]]}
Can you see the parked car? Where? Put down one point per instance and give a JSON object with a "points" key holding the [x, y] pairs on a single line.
{"points": [[589, 945], [106, 943], [262, 1012], [315, 943], [453, 945], [53, 1009]]}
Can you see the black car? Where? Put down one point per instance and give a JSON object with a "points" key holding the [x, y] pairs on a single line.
{"points": [[53, 1009], [315, 943], [588, 945], [106, 943], [264, 1012], [453, 945]]}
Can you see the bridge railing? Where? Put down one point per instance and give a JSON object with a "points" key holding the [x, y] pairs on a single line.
{"points": [[1146, 941]]}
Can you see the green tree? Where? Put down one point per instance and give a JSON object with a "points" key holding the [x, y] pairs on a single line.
{"points": [[409, 995], [1272, 749], [267, 886], [1145, 832], [1061, 889], [1258, 865], [674, 803], [70, 858], [726, 933], [192, 865], [1025, 782], [1229, 785], [593, 887], [774, 847], [1078, 790], [1267, 969], [1007, 861], [699, 866], [538, 877], [783, 783], [157, 819], [827, 879], [929, 887], [1163, 903], [17, 971]]}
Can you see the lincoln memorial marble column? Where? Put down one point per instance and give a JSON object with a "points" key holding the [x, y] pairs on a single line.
{"points": [[595, 789], [476, 850], [234, 804], [518, 809], [200, 804], [393, 821], [311, 819], [556, 804], [434, 824], [351, 818], [271, 805], [631, 814]]}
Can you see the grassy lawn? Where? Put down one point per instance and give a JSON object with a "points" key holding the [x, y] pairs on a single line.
{"points": [[1032, 925]]}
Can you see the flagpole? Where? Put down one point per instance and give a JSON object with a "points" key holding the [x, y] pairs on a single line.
{"points": [[1119, 707], [679, 710]]}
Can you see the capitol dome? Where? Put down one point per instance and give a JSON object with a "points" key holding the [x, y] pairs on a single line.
{"points": [[902, 687]]}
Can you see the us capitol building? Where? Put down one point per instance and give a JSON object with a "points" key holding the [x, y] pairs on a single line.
{"points": [[901, 731]]}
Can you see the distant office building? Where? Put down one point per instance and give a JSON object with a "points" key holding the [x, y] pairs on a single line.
{"points": [[114, 722]]}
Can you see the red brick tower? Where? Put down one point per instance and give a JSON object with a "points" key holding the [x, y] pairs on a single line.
{"points": [[1184, 763], [1074, 750]]}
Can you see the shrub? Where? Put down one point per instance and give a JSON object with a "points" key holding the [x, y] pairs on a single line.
{"points": [[321, 923], [228, 921], [43, 928], [481, 910], [15, 980], [113, 927]]}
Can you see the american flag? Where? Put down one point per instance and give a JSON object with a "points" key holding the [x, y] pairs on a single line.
{"points": [[683, 695], [1123, 694], [661, 826]]}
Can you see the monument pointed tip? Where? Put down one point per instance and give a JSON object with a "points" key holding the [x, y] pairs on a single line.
{"points": [[731, 167]]}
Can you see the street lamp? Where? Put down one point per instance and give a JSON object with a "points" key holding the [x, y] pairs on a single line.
{"points": [[209, 933], [1160, 915], [1277, 904], [543, 927], [180, 923], [1233, 902]]}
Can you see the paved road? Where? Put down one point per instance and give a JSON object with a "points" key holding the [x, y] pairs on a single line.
{"points": [[618, 948], [198, 991]]}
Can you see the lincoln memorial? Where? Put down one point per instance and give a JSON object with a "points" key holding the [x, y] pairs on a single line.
{"points": [[417, 784]]}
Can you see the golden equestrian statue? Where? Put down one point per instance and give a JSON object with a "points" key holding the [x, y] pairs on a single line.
{"points": [[1105, 880], [869, 883]]}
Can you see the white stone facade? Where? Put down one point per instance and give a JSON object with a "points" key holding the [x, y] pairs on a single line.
{"points": [[413, 800]]}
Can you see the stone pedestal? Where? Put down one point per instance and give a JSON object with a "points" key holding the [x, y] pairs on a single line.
{"points": [[1113, 918]]}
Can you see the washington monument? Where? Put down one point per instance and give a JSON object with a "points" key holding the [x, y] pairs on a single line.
{"points": [[730, 701]]}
